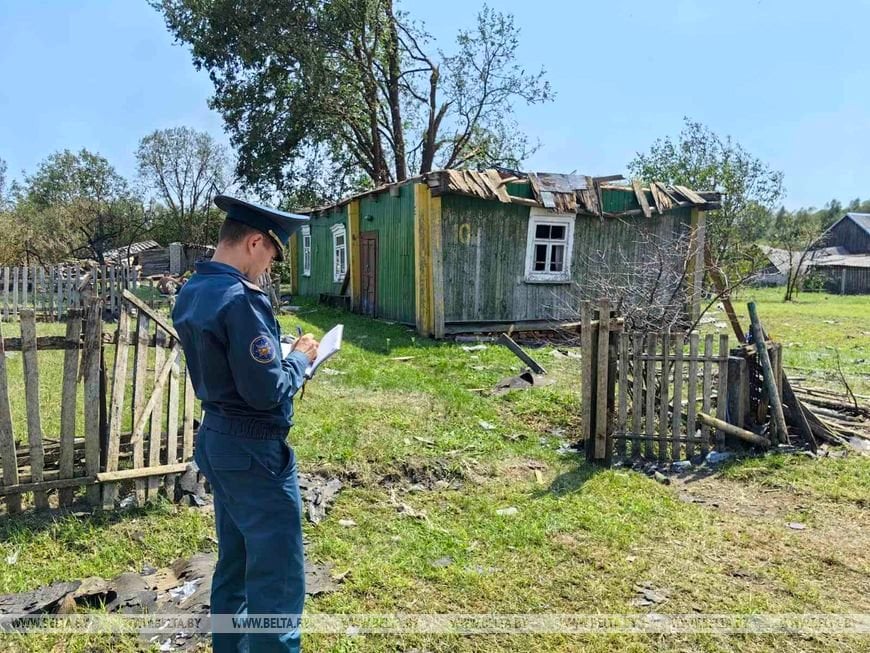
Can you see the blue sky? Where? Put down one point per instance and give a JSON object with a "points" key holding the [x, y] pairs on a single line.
{"points": [[788, 80]]}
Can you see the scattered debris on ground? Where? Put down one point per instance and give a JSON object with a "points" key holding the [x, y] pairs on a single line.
{"points": [[318, 494], [184, 586]]}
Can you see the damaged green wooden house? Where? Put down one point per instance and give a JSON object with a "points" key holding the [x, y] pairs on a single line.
{"points": [[460, 251]]}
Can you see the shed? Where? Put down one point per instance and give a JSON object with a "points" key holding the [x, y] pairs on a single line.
{"points": [[851, 232], [459, 250]]}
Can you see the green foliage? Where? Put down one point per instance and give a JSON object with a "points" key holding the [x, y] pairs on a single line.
{"points": [[185, 169], [701, 159], [318, 94], [76, 204]]}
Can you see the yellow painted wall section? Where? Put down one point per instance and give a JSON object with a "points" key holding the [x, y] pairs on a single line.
{"points": [[422, 267], [354, 254]]}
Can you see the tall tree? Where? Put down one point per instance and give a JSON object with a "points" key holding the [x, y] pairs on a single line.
{"points": [[185, 169], [358, 81], [701, 159], [76, 204]]}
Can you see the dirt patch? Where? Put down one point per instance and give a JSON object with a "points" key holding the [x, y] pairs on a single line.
{"points": [[522, 469]]}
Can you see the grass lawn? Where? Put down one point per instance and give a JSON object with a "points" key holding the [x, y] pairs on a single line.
{"points": [[582, 538]]}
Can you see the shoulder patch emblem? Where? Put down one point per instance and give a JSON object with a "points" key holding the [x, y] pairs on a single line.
{"points": [[262, 349]]}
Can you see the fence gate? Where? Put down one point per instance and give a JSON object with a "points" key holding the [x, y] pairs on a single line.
{"points": [[138, 411], [651, 395]]}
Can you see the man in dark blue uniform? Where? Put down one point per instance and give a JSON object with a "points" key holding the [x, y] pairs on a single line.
{"points": [[231, 341]]}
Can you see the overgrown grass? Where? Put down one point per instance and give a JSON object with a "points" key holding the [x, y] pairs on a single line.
{"points": [[580, 542]]}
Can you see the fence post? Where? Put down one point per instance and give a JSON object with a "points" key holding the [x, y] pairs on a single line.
{"points": [[7, 436], [15, 291], [637, 391], [5, 292], [156, 436], [140, 375], [663, 397], [116, 412], [90, 369], [172, 424], [31, 393], [677, 414], [722, 390], [587, 380], [68, 402], [602, 398], [692, 394]]}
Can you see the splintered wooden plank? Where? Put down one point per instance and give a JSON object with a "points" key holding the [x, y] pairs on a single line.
{"points": [[68, 406], [586, 409], [690, 195], [156, 434], [601, 390], [664, 423], [692, 395], [500, 189], [140, 376], [8, 455], [187, 430], [658, 200], [116, 411], [649, 432], [31, 393], [667, 196], [706, 392], [641, 198], [172, 424], [624, 338], [637, 391], [91, 371], [722, 389], [677, 410]]}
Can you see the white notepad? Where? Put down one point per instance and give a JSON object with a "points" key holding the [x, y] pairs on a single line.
{"points": [[330, 344]]}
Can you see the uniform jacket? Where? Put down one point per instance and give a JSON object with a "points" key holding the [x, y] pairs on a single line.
{"points": [[231, 341]]}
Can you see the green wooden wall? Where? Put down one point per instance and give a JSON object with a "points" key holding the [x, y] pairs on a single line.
{"points": [[393, 220], [321, 279], [484, 246]]}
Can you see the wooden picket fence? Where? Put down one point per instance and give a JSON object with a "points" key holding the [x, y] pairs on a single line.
{"points": [[139, 429], [649, 395], [53, 290]]}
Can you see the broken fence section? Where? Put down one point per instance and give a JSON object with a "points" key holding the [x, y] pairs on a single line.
{"points": [[657, 395], [135, 420]]}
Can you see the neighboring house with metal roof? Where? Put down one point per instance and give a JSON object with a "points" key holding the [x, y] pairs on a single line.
{"points": [[459, 250]]}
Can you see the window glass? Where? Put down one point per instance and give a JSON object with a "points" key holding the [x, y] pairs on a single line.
{"points": [[557, 257], [540, 258]]}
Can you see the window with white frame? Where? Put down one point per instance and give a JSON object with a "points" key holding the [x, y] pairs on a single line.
{"points": [[306, 251], [339, 249], [549, 244]]}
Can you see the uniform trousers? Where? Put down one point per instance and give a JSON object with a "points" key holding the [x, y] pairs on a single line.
{"points": [[258, 518]]}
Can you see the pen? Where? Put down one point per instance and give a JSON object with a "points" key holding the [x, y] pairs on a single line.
{"points": [[298, 335]]}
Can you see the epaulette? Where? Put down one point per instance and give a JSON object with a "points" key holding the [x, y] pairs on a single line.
{"points": [[252, 286]]}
